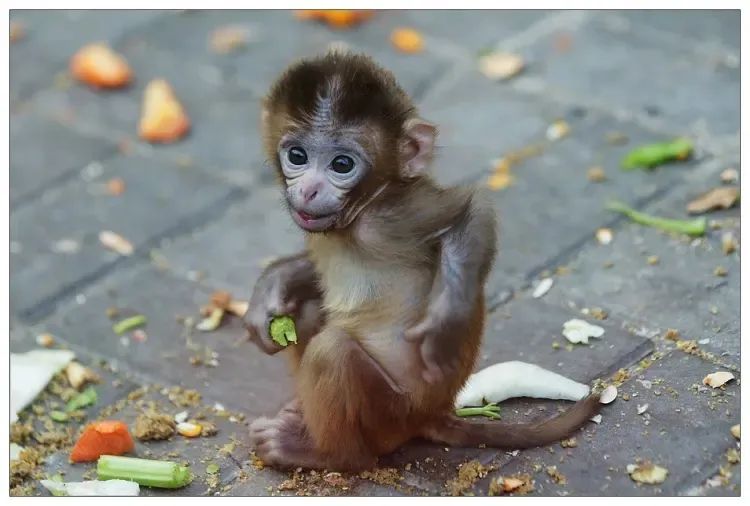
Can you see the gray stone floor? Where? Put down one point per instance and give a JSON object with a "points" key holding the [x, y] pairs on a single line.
{"points": [[203, 215]]}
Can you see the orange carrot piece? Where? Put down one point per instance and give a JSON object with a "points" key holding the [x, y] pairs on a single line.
{"points": [[107, 437], [99, 66]]}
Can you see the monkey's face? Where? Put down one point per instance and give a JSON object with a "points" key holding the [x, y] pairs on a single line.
{"points": [[320, 170]]}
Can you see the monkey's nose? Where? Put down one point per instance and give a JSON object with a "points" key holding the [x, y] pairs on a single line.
{"points": [[310, 195]]}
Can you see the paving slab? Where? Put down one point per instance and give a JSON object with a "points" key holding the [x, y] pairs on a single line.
{"points": [[159, 200], [551, 205], [681, 291], [51, 37], [601, 52], [223, 448], [684, 429], [710, 27], [115, 113], [242, 378], [65, 153]]}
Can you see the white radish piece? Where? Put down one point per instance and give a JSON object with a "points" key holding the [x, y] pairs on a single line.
{"points": [[608, 395], [507, 380], [92, 488], [579, 331], [29, 374], [542, 288]]}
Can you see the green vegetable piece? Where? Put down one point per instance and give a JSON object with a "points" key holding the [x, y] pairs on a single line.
{"points": [[283, 331], [59, 416], [695, 227], [212, 468], [491, 410], [129, 324], [149, 473], [85, 398], [651, 155]]}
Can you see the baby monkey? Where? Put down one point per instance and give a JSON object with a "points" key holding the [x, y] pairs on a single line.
{"points": [[388, 296]]}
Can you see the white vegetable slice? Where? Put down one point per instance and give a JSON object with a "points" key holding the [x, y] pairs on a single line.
{"points": [[29, 374], [507, 380], [92, 488], [608, 395], [579, 331], [716, 379], [542, 288]]}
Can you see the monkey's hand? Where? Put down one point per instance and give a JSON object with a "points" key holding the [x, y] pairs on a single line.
{"points": [[286, 288], [439, 336]]}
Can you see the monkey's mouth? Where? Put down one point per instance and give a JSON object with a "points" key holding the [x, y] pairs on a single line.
{"points": [[313, 223]]}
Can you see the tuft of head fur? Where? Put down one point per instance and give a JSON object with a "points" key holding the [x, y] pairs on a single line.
{"points": [[335, 92]]}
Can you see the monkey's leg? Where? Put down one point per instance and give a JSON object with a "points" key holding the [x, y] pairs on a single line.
{"points": [[351, 411]]}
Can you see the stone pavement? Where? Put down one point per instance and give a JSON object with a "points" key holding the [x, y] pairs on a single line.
{"points": [[203, 214]]}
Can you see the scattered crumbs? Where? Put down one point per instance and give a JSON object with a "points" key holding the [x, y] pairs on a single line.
{"points": [[720, 271], [672, 335], [468, 474], [184, 397], [620, 377], [208, 429], [383, 476], [154, 426], [569, 443], [652, 260], [596, 174], [556, 475], [518, 484], [733, 456]]}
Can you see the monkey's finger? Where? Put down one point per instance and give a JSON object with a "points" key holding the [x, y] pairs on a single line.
{"points": [[290, 306]]}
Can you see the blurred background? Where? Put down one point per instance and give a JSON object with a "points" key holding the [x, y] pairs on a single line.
{"points": [[150, 205]]}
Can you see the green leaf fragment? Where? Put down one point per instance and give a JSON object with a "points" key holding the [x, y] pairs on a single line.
{"points": [[491, 410], [652, 155], [149, 473], [283, 331], [58, 416], [129, 324], [85, 398], [212, 468], [696, 227]]}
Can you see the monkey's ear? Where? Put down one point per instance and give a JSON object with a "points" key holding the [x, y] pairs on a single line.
{"points": [[417, 146], [264, 114]]}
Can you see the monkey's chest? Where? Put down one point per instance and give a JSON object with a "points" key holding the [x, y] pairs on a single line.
{"points": [[394, 293]]}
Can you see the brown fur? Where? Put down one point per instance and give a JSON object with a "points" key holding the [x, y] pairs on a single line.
{"points": [[359, 395]]}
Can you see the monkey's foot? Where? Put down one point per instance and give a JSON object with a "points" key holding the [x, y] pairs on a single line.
{"points": [[283, 441]]}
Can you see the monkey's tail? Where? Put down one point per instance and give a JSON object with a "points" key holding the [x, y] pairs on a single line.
{"points": [[456, 431]]}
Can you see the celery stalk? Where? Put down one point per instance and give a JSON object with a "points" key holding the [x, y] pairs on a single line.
{"points": [[129, 324], [696, 227], [149, 473], [491, 410]]}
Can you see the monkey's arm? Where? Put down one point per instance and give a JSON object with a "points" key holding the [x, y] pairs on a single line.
{"points": [[288, 286], [467, 250]]}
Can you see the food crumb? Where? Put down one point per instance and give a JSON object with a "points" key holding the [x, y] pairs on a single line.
{"points": [[596, 174], [468, 474], [556, 475], [569, 443], [153, 426], [519, 484]]}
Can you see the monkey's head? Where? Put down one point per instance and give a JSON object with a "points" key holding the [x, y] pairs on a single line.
{"points": [[339, 131]]}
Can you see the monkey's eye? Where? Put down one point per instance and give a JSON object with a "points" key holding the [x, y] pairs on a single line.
{"points": [[297, 156], [342, 164]]}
